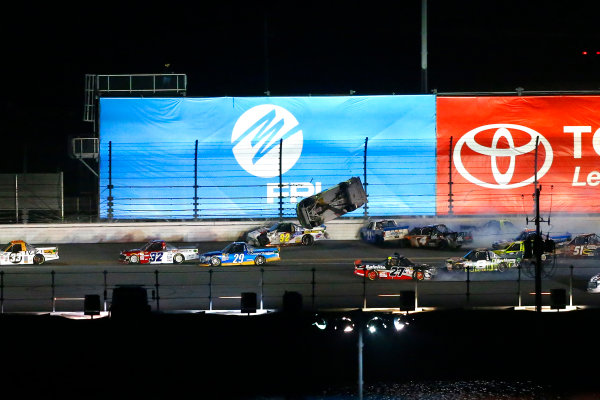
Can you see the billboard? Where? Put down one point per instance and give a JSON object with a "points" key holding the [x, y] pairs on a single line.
{"points": [[501, 145], [181, 158]]}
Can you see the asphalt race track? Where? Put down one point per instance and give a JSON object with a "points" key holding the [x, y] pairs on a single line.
{"points": [[322, 274]]}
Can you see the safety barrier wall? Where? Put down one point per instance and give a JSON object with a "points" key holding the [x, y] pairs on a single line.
{"points": [[201, 231]]}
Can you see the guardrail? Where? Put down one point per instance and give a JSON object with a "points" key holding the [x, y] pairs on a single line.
{"points": [[212, 289]]}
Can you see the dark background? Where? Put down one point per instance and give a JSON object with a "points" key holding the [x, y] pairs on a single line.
{"points": [[233, 48]]}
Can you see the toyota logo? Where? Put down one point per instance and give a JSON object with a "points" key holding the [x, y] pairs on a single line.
{"points": [[257, 135], [503, 180]]}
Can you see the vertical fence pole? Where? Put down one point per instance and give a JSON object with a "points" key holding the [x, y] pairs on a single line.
{"points": [[2, 292], [262, 286], [62, 197], [365, 289], [416, 294], [450, 200], [53, 292], [280, 180], [156, 285], [110, 198], [468, 294], [16, 198], [105, 273], [519, 284], [196, 182], [210, 305], [313, 283], [571, 286], [365, 178]]}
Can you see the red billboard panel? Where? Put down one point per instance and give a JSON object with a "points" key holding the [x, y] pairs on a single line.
{"points": [[491, 151]]}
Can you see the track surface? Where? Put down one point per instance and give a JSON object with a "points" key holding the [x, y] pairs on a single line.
{"points": [[322, 273]]}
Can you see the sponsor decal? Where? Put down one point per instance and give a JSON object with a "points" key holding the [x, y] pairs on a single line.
{"points": [[261, 134], [502, 180], [494, 162]]}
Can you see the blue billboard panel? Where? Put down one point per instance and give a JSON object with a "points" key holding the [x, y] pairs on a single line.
{"points": [[184, 158]]}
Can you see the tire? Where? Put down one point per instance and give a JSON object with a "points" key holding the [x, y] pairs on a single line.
{"points": [[215, 261], [178, 258], [134, 259], [308, 240], [38, 259], [260, 260], [372, 275], [502, 267], [418, 275]]}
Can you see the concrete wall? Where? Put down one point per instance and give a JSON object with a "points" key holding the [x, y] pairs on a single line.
{"points": [[340, 229]]}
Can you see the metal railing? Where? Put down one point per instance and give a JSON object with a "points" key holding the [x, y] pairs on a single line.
{"points": [[211, 290]]}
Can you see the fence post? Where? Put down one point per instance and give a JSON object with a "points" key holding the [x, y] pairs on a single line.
{"points": [[196, 182], [156, 285], [366, 215], [468, 294], [416, 294], [210, 305], [519, 284], [109, 212], [365, 289], [280, 180], [16, 198], [450, 200], [2, 292], [53, 292], [262, 286], [313, 289], [105, 273], [571, 287]]}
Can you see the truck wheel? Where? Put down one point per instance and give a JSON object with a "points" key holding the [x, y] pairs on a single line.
{"points": [[38, 259], [307, 240], [372, 275], [215, 261], [260, 260], [418, 275], [502, 267], [134, 259], [178, 258]]}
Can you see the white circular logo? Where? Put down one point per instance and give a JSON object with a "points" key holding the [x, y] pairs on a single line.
{"points": [[502, 180], [257, 136]]}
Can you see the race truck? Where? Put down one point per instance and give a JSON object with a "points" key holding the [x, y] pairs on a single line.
{"points": [[382, 231], [517, 250], [239, 253], [586, 245], [284, 233], [481, 259], [395, 267], [529, 234], [493, 229], [329, 204], [437, 236]]}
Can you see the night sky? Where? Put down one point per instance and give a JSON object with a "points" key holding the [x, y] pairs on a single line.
{"points": [[230, 48]]}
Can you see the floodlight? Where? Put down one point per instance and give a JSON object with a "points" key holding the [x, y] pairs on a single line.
{"points": [[376, 324], [399, 324], [319, 322], [344, 324]]}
